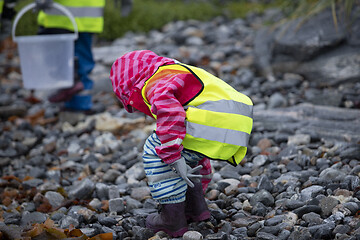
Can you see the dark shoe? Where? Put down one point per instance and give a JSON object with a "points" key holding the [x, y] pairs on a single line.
{"points": [[170, 220], [66, 94], [196, 208]]}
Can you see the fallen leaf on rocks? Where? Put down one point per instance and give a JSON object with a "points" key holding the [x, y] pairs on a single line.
{"points": [[56, 233], [35, 231], [11, 177], [103, 236], [75, 233], [105, 205]]}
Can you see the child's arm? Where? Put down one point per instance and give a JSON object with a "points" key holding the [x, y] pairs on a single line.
{"points": [[170, 123]]}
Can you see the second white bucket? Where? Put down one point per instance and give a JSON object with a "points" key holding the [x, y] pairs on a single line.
{"points": [[46, 61]]}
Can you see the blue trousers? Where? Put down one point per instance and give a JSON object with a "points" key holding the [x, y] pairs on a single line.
{"points": [[166, 186], [85, 64]]}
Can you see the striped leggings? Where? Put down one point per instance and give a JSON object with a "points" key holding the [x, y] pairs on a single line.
{"points": [[165, 185]]}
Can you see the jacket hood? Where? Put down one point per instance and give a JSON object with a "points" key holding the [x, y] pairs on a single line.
{"points": [[130, 71]]}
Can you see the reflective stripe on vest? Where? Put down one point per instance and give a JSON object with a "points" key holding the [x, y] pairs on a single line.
{"points": [[88, 16], [218, 119]]}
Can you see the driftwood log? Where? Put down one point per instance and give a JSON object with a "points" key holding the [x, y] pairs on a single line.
{"points": [[324, 122]]}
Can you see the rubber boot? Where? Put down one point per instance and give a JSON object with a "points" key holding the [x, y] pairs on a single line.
{"points": [[171, 220], [196, 209], [66, 94]]}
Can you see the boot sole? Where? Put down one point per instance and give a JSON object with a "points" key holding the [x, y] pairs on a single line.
{"points": [[202, 217]]}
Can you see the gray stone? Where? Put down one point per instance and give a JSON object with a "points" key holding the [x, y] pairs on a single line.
{"points": [[262, 196], [55, 198], [32, 183], [307, 209], [114, 192], [12, 231], [265, 236], [312, 219], [284, 234], [107, 221], [329, 66], [83, 189], [142, 233], [265, 183], [322, 231], [192, 235], [140, 193], [259, 160], [327, 205], [293, 204], [57, 216], [67, 221], [90, 232], [276, 100], [116, 205], [274, 220], [310, 192], [240, 232], [217, 236], [102, 191], [132, 203], [305, 39], [299, 139], [12, 218], [353, 207], [342, 229], [331, 174], [144, 212], [34, 217], [300, 234], [28, 206]]}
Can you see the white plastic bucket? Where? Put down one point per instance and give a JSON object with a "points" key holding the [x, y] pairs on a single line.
{"points": [[46, 61]]}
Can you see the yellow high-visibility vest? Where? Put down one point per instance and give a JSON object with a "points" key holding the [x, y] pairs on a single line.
{"points": [[218, 120], [88, 14], [1, 8]]}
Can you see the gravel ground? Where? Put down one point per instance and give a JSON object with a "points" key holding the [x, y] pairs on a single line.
{"points": [[83, 170]]}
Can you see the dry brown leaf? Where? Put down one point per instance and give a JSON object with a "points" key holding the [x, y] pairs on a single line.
{"points": [[34, 118], [35, 231], [11, 177], [103, 236], [26, 178], [56, 233], [12, 193], [48, 223], [45, 207], [6, 201], [105, 205], [75, 233]]}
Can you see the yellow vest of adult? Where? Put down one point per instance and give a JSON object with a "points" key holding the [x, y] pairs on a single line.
{"points": [[218, 119], [1, 8], [89, 16]]}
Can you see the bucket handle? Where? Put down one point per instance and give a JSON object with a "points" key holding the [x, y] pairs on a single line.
{"points": [[55, 5]]}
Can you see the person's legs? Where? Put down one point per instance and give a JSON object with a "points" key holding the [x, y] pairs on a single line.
{"points": [[77, 97], [165, 185], [172, 192], [85, 63], [168, 189]]}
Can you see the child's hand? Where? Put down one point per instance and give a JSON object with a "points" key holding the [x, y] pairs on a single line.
{"points": [[185, 171]]}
